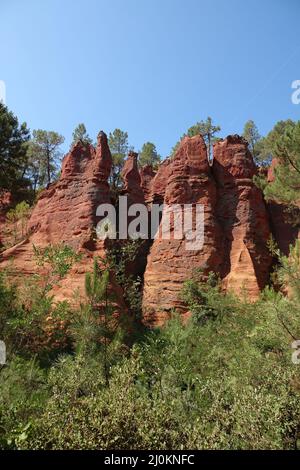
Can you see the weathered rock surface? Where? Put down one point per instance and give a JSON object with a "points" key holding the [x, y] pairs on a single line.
{"points": [[66, 212], [172, 261], [236, 225], [242, 213], [159, 182], [132, 180], [237, 221], [147, 174]]}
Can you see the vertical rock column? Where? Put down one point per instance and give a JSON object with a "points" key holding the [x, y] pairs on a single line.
{"points": [[66, 213], [242, 213], [170, 261]]}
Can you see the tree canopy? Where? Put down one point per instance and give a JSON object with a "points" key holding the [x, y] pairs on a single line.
{"points": [[13, 150], [45, 153], [253, 138], [286, 147], [80, 134], [118, 144], [148, 155]]}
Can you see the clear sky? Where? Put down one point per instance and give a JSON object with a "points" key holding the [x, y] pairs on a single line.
{"points": [[150, 67]]}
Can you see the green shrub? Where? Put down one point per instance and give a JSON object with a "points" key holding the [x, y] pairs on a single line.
{"points": [[23, 392], [224, 380]]}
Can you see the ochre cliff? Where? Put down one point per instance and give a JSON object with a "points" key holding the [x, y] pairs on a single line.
{"points": [[66, 213], [243, 216], [171, 262], [237, 221]]}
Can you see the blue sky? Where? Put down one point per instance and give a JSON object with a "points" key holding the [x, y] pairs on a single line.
{"points": [[150, 67]]}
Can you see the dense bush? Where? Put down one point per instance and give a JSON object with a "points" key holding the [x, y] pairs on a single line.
{"points": [[222, 385], [225, 380]]}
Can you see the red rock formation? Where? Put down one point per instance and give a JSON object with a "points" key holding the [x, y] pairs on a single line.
{"points": [[172, 261], [236, 221], [66, 212], [132, 180], [136, 184], [147, 174], [236, 225], [243, 216], [159, 182]]}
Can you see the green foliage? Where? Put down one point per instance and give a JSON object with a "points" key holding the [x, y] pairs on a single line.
{"points": [[285, 187], [36, 169], [96, 284], [213, 385], [118, 144], [121, 256], [8, 302], [13, 148], [267, 146], [203, 297], [44, 155], [17, 220], [80, 134], [283, 143], [56, 260], [223, 380], [148, 155], [23, 393], [96, 330], [253, 138], [30, 321]]}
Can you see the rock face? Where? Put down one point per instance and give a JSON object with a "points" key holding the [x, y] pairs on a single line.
{"points": [[159, 182], [132, 180], [66, 212], [236, 225], [171, 261], [242, 213], [237, 221], [147, 174]]}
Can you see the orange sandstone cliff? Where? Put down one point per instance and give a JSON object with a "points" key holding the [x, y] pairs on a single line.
{"points": [[237, 221]]}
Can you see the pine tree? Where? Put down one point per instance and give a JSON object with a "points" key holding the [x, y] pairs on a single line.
{"points": [[46, 145], [286, 186], [13, 151], [97, 330], [80, 134], [148, 155], [266, 147], [118, 144], [253, 138]]}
